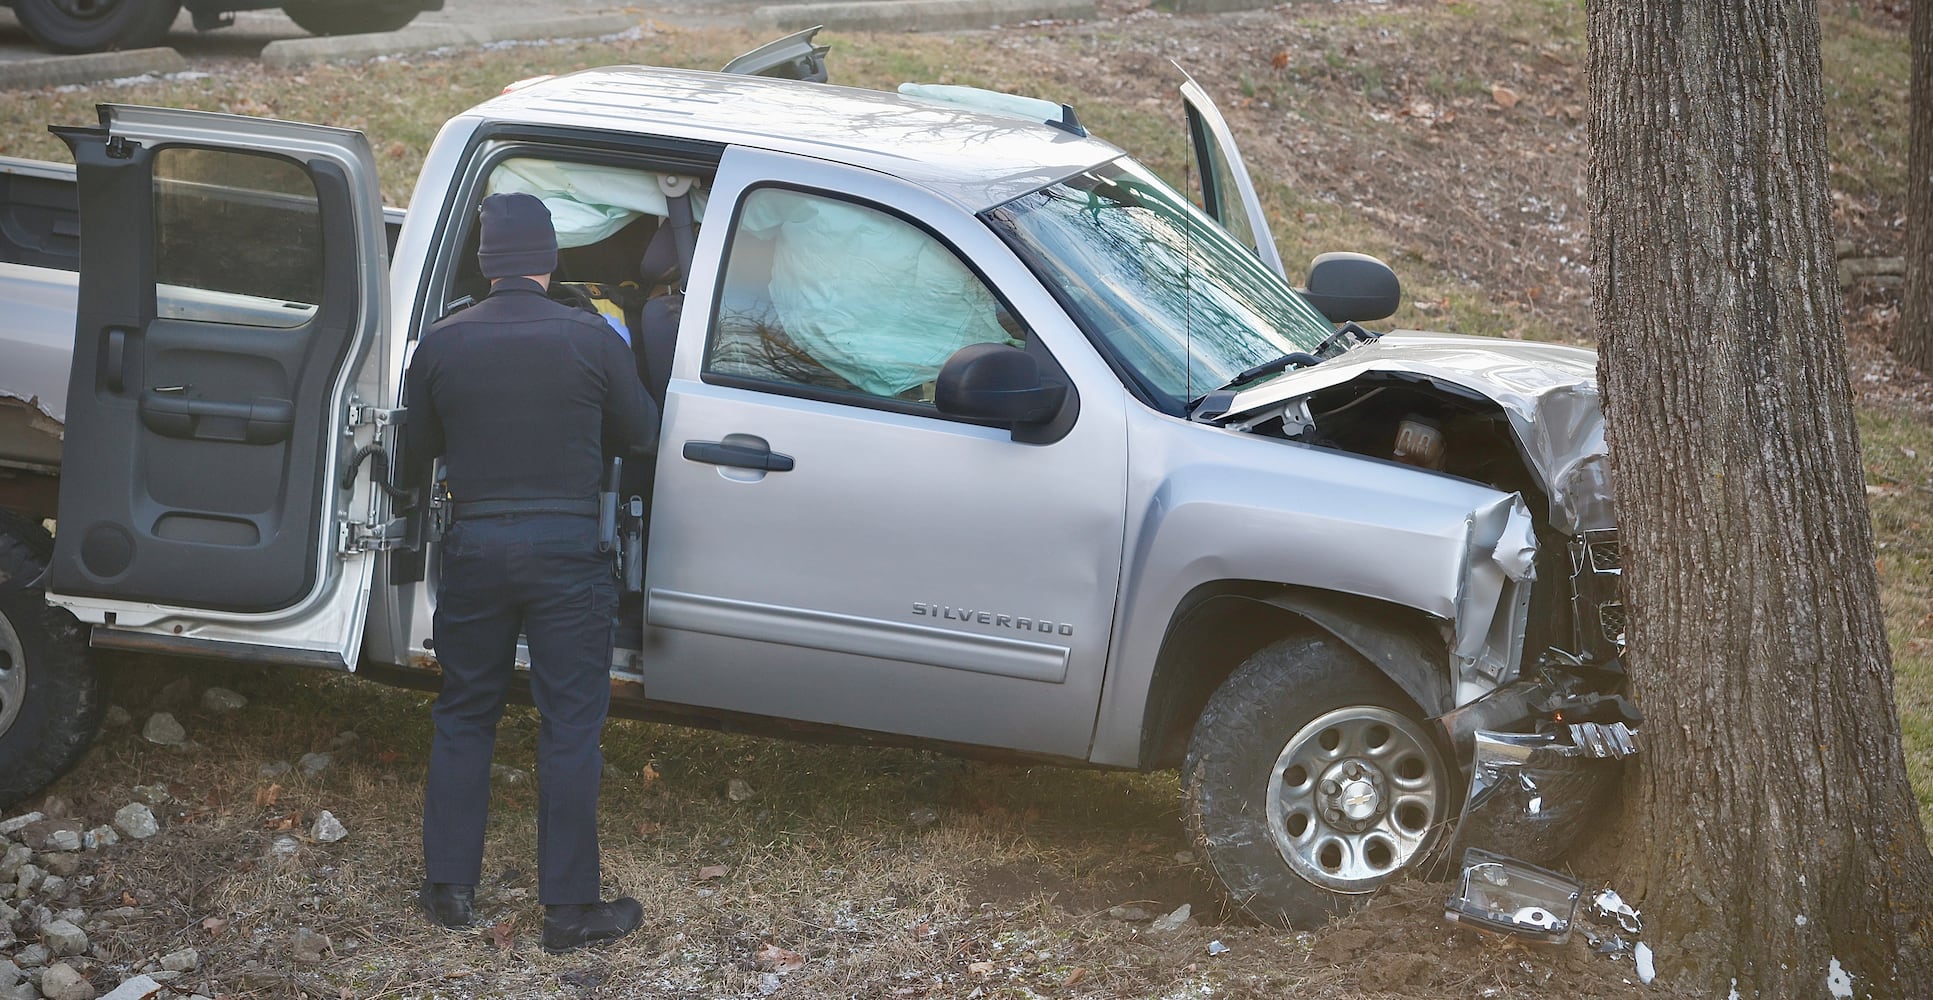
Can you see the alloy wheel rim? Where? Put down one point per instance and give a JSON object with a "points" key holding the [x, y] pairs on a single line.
{"points": [[13, 674], [1354, 797]]}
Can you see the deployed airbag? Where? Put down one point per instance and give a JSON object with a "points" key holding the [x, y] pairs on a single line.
{"points": [[587, 202]]}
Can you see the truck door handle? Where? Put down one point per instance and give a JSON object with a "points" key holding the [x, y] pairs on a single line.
{"points": [[259, 421], [737, 456]]}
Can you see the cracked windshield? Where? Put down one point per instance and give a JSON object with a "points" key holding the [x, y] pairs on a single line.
{"points": [[1176, 300]]}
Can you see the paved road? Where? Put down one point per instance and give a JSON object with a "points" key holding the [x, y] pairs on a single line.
{"points": [[253, 29]]}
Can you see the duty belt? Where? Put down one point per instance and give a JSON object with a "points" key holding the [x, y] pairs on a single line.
{"points": [[463, 511]]}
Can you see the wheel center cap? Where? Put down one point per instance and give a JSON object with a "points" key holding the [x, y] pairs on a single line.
{"points": [[1358, 799]]}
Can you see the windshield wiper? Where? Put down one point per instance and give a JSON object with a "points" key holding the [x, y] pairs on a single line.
{"points": [[1215, 402], [1300, 359]]}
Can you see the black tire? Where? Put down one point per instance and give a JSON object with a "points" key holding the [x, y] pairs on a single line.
{"points": [[96, 25], [1300, 732], [351, 17], [49, 699]]}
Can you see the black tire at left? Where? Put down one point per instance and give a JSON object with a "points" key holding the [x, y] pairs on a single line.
{"points": [[96, 25], [50, 702], [351, 17]]}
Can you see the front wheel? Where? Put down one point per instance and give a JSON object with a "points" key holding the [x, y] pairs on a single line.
{"points": [[49, 704], [1311, 783], [351, 17], [96, 25]]}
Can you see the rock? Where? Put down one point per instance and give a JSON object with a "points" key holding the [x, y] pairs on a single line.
{"points": [[179, 691], [344, 740], [61, 982], [57, 807], [9, 974], [63, 938], [508, 775], [155, 795], [121, 914], [738, 790], [17, 855], [12, 826], [924, 817], [62, 863], [136, 820], [138, 988], [100, 836], [328, 828], [312, 764], [162, 728], [309, 946], [184, 960], [53, 835], [53, 887], [285, 846], [116, 717], [1169, 922], [29, 879], [220, 699], [275, 769], [1131, 914], [33, 956], [163, 976], [20, 991]]}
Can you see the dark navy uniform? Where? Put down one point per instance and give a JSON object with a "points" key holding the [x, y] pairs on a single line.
{"points": [[523, 397]]}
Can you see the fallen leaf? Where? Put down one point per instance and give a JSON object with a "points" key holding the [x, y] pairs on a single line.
{"points": [[127, 899], [649, 774], [1504, 96], [649, 828], [265, 797], [1280, 60], [980, 968], [714, 871], [773, 958], [213, 925], [1074, 977], [389, 757], [500, 936]]}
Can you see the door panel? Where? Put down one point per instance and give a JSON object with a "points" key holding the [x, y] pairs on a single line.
{"points": [[1227, 192], [231, 282], [862, 560]]}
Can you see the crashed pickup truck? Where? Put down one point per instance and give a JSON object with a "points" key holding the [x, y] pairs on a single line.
{"points": [[977, 436]]}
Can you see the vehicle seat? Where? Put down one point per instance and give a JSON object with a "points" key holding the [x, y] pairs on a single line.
{"points": [[657, 330]]}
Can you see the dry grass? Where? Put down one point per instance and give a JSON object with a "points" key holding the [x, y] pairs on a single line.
{"points": [[898, 873]]}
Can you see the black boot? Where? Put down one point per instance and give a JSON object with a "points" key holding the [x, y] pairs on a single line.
{"points": [[570, 926], [447, 903]]}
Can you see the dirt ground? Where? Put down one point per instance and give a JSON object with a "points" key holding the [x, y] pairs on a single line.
{"points": [[1447, 137]]}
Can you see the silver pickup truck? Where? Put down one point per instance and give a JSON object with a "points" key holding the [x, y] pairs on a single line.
{"points": [[977, 436]]}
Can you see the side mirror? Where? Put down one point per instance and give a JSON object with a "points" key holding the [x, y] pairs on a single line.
{"points": [[1347, 287], [998, 383]]}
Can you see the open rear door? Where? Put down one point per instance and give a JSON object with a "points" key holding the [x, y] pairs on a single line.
{"points": [[232, 280], [1226, 191]]}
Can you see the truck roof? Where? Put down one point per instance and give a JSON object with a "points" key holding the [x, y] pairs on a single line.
{"points": [[978, 159]]}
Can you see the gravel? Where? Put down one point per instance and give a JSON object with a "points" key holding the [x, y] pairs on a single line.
{"points": [[136, 820], [162, 728]]}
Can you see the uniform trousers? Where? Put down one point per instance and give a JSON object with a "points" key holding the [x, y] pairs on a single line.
{"points": [[541, 575]]}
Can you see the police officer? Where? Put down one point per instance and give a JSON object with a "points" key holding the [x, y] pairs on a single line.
{"points": [[523, 397]]}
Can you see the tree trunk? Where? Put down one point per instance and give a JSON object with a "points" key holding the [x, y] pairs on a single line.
{"points": [[1782, 847], [1914, 344]]}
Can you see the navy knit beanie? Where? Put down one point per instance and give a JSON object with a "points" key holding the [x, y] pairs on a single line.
{"points": [[517, 238]]}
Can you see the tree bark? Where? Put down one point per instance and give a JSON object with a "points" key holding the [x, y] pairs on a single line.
{"points": [[1782, 846], [1914, 343]]}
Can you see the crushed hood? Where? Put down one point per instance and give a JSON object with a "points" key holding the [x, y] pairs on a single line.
{"points": [[1547, 391]]}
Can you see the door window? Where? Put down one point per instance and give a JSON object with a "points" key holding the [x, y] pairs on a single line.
{"points": [[238, 238], [823, 294]]}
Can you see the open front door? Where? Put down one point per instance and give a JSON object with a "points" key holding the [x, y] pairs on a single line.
{"points": [[232, 281], [1226, 191]]}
